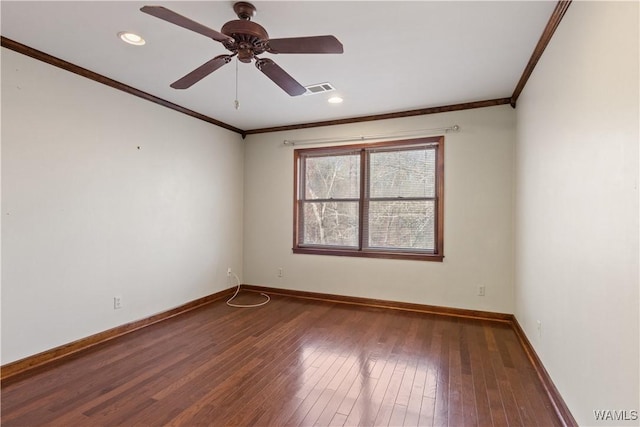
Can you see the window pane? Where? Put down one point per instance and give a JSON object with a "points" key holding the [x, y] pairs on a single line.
{"points": [[336, 177], [402, 225], [331, 223], [407, 173]]}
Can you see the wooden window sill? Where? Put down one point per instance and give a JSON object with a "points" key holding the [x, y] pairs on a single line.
{"points": [[416, 256]]}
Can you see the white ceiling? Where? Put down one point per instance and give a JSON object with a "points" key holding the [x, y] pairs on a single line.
{"points": [[398, 56]]}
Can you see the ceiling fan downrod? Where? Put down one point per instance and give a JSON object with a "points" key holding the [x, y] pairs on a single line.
{"points": [[244, 10]]}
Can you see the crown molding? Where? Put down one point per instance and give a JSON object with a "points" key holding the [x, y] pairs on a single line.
{"points": [[376, 117], [552, 25], [91, 75]]}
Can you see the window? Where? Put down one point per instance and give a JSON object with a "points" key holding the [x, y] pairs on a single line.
{"points": [[382, 200]]}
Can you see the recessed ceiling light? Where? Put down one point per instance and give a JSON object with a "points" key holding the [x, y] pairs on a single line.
{"points": [[131, 38], [335, 100]]}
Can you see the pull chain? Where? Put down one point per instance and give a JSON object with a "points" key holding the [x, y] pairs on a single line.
{"points": [[237, 103]]}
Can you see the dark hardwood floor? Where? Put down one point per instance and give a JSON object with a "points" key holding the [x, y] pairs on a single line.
{"points": [[291, 362]]}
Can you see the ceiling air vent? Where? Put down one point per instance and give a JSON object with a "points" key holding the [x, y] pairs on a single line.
{"points": [[319, 88]]}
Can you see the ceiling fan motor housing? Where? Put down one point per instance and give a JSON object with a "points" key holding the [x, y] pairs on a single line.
{"points": [[249, 39]]}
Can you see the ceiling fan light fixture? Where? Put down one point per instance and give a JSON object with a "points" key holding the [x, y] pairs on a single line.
{"points": [[335, 100], [131, 38]]}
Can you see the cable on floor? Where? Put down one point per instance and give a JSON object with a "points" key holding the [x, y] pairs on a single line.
{"points": [[230, 304]]}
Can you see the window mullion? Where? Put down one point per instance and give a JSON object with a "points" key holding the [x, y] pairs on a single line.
{"points": [[364, 200], [302, 197]]}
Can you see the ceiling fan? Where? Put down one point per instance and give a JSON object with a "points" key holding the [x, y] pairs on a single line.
{"points": [[246, 40]]}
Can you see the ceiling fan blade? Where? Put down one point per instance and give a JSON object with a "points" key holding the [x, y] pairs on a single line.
{"points": [[184, 22], [201, 72], [314, 44], [280, 77]]}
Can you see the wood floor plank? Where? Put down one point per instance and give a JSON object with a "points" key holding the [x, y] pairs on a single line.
{"points": [[328, 413], [406, 386], [86, 389], [424, 361], [496, 407], [414, 403], [279, 358], [329, 340], [427, 411], [528, 387], [390, 394], [366, 406], [312, 390], [442, 386], [357, 402], [295, 362], [398, 415], [476, 346], [338, 389], [455, 404], [338, 420]]}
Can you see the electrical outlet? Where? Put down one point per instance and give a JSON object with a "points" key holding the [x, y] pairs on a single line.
{"points": [[280, 272], [481, 290], [229, 272], [117, 302]]}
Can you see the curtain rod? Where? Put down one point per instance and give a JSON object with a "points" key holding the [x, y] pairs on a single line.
{"points": [[414, 133]]}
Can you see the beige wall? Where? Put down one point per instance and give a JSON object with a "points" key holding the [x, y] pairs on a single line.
{"points": [[577, 209], [478, 221], [87, 216]]}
